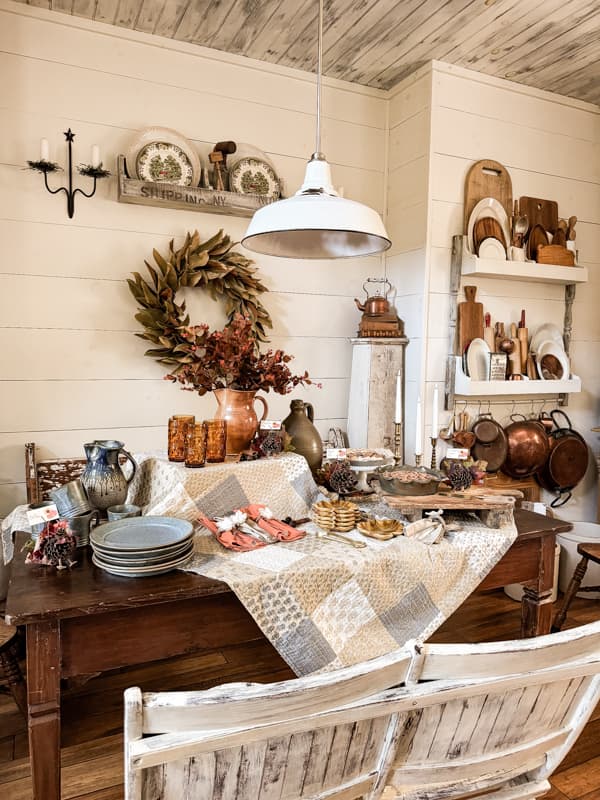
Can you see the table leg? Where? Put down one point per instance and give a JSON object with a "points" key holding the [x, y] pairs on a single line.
{"points": [[43, 708], [536, 606]]}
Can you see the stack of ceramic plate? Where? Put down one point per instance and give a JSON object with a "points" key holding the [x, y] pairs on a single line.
{"points": [[137, 547], [339, 516], [551, 359]]}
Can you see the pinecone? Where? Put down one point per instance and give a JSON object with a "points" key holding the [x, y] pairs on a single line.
{"points": [[341, 478], [58, 547], [459, 477]]}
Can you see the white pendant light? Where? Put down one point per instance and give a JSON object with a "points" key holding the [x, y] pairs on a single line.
{"points": [[316, 222]]}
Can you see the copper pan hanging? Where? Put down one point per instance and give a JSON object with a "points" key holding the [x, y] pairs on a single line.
{"points": [[567, 461], [528, 447]]}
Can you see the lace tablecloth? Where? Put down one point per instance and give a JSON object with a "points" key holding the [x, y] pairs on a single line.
{"points": [[322, 603]]}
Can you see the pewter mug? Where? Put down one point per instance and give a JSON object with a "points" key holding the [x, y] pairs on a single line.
{"points": [[71, 499], [103, 478], [80, 526]]}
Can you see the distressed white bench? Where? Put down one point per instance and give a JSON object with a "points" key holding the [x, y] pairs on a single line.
{"points": [[428, 721]]}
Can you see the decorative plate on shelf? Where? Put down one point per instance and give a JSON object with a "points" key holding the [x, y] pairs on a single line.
{"points": [[488, 207], [161, 155], [478, 360], [254, 176]]}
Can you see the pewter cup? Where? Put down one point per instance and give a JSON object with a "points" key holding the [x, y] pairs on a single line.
{"points": [[121, 512], [80, 526], [39, 526], [71, 499]]}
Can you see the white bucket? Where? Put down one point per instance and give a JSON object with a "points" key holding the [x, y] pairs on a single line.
{"points": [[582, 532], [515, 590]]}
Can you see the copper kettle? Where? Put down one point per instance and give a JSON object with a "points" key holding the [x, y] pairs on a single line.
{"points": [[377, 304]]}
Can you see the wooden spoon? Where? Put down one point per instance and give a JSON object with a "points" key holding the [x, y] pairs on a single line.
{"points": [[537, 237]]}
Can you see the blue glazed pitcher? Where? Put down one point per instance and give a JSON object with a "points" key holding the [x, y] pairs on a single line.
{"points": [[103, 478]]}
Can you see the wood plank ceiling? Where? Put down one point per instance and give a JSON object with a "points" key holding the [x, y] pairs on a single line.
{"points": [[549, 44]]}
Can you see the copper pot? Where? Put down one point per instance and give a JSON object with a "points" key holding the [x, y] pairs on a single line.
{"points": [[490, 442], [528, 447], [567, 463]]}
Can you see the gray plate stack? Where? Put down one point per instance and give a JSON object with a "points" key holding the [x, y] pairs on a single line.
{"points": [[137, 547]]}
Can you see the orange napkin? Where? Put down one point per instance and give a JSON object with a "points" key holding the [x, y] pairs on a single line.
{"points": [[232, 539], [263, 517]]}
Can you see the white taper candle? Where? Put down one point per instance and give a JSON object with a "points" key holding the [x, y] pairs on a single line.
{"points": [[398, 408], [95, 155], [418, 432], [44, 150], [435, 425]]}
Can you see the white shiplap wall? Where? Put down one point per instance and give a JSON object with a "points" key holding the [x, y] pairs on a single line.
{"points": [[551, 147], [72, 369], [407, 212]]}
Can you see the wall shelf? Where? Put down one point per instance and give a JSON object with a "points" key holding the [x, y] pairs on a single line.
{"points": [[190, 198], [464, 263], [465, 387], [517, 270]]}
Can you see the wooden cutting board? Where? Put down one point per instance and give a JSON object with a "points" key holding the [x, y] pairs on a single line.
{"points": [[470, 319], [487, 178], [540, 212]]}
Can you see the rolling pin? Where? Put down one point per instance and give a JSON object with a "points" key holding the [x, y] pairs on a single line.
{"points": [[514, 357], [488, 333], [523, 334], [499, 336]]}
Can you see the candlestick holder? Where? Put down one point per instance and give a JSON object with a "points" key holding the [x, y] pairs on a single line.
{"points": [[88, 170], [434, 452], [398, 455], [418, 458]]}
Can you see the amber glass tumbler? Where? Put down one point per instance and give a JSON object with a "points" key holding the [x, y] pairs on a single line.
{"points": [[178, 426], [216, 440], [195, 451]]}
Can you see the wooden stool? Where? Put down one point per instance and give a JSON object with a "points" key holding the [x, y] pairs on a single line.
{"points": [[10, 665], [588, 552]]}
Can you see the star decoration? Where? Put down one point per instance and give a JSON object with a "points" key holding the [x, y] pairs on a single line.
{"points": [[69, 135]]}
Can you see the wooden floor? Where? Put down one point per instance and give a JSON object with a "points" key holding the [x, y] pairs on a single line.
{"points": [[91, 714]]}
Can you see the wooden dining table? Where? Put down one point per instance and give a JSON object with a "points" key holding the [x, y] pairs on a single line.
{"points": [[83, 621]]}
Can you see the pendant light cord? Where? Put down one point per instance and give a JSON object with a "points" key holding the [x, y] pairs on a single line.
{"points": [[319, 70]]}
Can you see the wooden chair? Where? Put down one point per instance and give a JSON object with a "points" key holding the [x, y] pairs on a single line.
{"points": [[588, 552], [9, 665], [42, 477], [431, 721]]}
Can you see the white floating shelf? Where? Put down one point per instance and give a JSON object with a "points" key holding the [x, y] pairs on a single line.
{"points": [[465, 387], [519, 270]]}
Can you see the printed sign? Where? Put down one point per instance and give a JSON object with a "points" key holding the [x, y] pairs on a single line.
{"points": [[42, 514], [457, 452], [270, 425], [336, 452]]}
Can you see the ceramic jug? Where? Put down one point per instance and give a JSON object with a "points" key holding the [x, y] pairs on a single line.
{"points": [[305, 437], [236, 407], [103, 478]]}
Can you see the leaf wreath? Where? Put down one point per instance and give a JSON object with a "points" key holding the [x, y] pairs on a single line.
{"points": [[211, 265]]}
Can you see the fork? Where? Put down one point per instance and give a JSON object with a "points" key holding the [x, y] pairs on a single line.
{"points": [[341, 538]]}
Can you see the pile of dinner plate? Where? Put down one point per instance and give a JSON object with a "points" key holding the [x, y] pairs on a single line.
{"points": [[137, 547]]}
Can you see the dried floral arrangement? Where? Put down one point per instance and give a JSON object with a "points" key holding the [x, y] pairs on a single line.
{"points": [[231, 359], [211, 265]]}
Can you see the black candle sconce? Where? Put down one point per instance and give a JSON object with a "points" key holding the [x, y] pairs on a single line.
{"points": [[94, 171]]}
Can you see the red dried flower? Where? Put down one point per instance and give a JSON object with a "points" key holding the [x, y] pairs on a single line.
{"points": [[231, 359]]}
